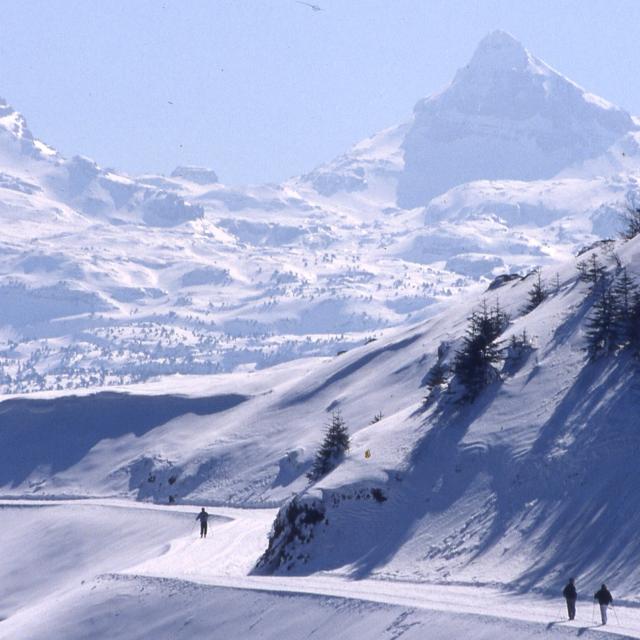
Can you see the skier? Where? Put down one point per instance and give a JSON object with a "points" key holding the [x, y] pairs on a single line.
{"points": [[203, 516], [571, 595], [604, 599]]}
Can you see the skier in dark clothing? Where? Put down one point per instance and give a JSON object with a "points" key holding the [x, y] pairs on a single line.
{"points": [[570, 595], [604, 599], [203, 516]]}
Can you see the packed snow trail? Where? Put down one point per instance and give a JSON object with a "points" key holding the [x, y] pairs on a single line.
{"points": [[237, 545], [221, 562]]}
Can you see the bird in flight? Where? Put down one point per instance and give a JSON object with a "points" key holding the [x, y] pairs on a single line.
{"points": [[315, 7]]}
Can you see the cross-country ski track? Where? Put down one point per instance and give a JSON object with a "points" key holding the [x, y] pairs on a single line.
{"points": [[64, 591]]}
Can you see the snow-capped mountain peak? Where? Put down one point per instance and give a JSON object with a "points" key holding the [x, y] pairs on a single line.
{"points": [[16, 139], [506, 115], [500, 49]]}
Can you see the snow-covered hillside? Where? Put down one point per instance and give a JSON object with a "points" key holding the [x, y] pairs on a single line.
{"points": [[531, 480], [168, 342], [108, 279], [461, 517]]}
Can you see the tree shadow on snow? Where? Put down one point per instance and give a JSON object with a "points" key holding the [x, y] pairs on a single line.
{"points": [[582, 471], [588, 454], [437, 478]]}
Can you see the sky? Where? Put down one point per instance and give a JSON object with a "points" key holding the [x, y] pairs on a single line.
{"points": [[260, 90]]}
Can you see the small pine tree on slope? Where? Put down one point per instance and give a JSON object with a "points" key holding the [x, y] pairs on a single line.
{"points": [[592, 271], [332, 449], [473, 363], [602, 329], [537, 294]]}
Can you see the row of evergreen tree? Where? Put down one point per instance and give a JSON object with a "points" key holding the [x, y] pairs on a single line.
{"points": [[613, 324]]}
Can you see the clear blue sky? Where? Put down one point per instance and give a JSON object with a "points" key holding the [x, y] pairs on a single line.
{"points": [[265, 89]]}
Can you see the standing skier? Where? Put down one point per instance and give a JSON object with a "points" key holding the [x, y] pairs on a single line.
{"points": [[604, 599], [203, 516], [570, 595]]}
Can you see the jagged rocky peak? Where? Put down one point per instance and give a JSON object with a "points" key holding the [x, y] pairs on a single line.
{"points": [[198, 175], [505, 115], [16, 140], [500, 49], [13, 121]]}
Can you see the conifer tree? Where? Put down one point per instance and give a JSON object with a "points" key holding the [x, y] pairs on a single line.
{"points": [[499, 320], [602, 330], [556, 284], [473, 363], [625, 293], [591, 271], [537, 294], [332, 449]]}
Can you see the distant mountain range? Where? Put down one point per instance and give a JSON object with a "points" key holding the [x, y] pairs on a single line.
{"points": [[112, 279]]}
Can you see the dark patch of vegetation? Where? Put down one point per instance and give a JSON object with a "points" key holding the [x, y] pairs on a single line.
{"points": [[537, 294], [631, 221], [333, 448], [615, 318], [501, 280], [473, 365], [293, 526]]}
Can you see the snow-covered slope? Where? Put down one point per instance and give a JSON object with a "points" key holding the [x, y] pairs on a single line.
{"points": [[531, 481], [140, 289]]}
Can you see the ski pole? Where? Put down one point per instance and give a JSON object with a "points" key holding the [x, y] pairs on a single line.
{"points": [[615, 613]]}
